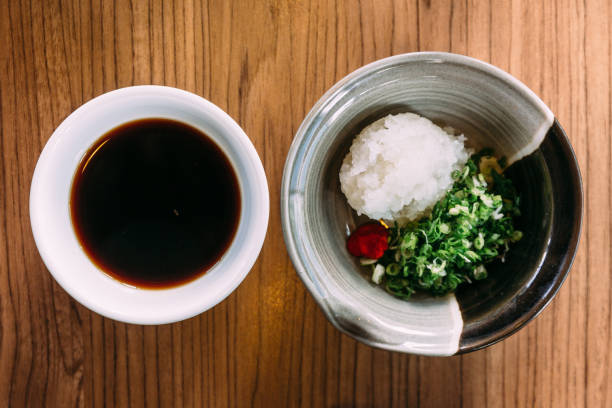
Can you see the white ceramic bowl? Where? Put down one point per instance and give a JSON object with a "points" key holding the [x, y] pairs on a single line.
{"points": [[52, 225]]}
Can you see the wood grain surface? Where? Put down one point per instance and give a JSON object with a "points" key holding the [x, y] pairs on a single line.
{"points": [[266, 62]]}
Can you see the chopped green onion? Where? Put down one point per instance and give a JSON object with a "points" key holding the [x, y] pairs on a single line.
{"points": [[480, 272], [392, 269], [472, 225], [479, 241], [516, 236], [378, 273]]}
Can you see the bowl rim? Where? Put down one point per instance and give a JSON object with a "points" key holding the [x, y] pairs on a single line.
{"points": [[300, 138]]}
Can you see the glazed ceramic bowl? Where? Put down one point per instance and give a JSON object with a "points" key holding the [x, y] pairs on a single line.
{"points": [[492, 109], [60, 248]]}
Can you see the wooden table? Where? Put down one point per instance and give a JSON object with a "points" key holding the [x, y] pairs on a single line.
{"points": [[266, 63]]}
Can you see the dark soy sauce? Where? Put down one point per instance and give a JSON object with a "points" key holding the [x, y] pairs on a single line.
{"points": [[155, 203]]}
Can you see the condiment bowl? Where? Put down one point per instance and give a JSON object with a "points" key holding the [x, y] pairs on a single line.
{"points": [[55, 236], [493, 109]]}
